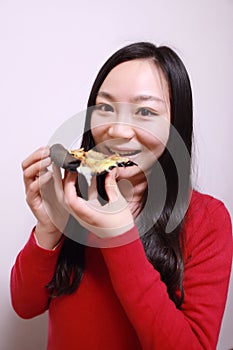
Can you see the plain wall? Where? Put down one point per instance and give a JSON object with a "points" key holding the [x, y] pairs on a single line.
{"points": [[50, 54]]}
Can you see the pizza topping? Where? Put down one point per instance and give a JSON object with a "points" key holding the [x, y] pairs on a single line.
{"points": [[89, 163], [77, 160]]}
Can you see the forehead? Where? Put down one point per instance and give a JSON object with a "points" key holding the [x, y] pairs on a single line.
{"points": [[139, 76]]}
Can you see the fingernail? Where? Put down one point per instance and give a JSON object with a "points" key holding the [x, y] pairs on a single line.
{"points": [[113, 173]]}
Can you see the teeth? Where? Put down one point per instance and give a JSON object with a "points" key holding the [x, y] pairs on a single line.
{"points": [[122, 153]]}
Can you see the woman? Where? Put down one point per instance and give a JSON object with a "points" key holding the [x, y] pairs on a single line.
{"points": [[159, 276]]}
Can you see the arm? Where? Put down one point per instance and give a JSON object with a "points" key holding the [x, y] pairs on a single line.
{"points": [[33, 270], [35, 264], [158, 323]]}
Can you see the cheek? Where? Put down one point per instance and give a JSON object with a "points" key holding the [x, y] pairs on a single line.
{"points": [[98, 133], [156, 138]]}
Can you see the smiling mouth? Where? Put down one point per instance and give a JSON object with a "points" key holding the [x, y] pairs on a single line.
{"points": [[122, 153]]}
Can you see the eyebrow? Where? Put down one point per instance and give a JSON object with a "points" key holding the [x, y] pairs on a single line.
{"points": [[139, 98]]}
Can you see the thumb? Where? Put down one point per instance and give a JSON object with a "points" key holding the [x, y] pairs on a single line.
{"points": [[111, 186], [58, 186]]}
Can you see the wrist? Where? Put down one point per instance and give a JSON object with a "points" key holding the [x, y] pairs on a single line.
{"points": [[45, 238]]}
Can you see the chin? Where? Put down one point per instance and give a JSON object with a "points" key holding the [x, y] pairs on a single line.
{"points": [[132, 174]]}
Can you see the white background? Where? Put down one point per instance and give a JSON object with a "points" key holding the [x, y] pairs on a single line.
{"points": [[50, 54]]}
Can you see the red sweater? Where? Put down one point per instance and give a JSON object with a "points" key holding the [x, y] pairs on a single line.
{"points": [[121, 303]]}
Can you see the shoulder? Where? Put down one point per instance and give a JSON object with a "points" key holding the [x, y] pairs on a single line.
{"points": [[205, 207], [207, 224]]}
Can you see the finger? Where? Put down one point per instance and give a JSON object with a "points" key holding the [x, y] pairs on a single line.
{"points": [[40, 153], [57, 176], [92, 189], [35, 187], [58, 184], [35, 170], [111, 187], [77, 205], [70, 179], [69, 187]]}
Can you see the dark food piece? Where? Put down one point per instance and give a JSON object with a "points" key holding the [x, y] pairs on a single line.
{"points": [[102, 194], [61, 157], [88, 163]]}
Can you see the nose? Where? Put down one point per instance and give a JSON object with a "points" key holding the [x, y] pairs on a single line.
{"points": [[121, 130]]}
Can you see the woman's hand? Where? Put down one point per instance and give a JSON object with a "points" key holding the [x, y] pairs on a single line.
{"points": [[53, 199], [42, 198], [110, 220]]}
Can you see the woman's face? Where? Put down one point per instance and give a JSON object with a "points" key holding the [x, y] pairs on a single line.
{"points": [[132, 115]]}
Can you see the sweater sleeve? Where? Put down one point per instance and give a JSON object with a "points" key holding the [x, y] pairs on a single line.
{"points": [[33, 269], [158, 323]]}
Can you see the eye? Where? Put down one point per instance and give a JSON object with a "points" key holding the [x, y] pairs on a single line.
{"points": [[104, 107], [145, 112]]}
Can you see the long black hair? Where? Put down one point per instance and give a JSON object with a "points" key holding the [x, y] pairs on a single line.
{"points": [[163, 249]]}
